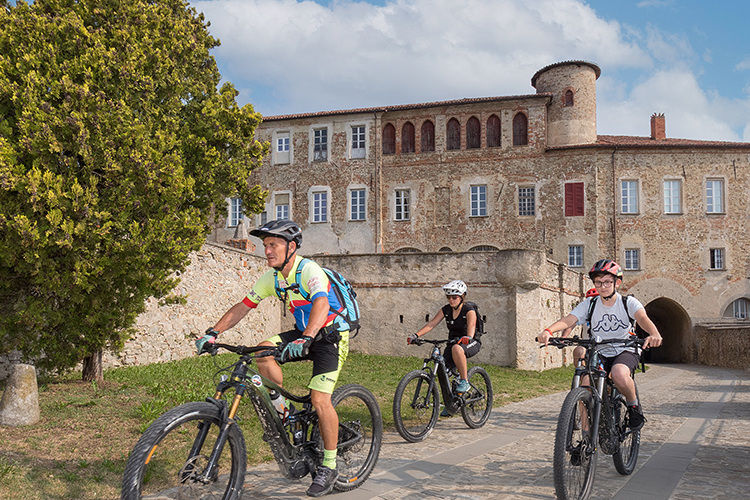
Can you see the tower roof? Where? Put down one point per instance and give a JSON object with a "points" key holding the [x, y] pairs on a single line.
{"points": [[593, 66]]}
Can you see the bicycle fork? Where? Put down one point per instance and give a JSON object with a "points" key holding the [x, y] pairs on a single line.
{"points": [[597, 410], [226, 420]]}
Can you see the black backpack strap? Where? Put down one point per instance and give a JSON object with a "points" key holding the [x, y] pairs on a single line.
{"points": [[592, 304]]}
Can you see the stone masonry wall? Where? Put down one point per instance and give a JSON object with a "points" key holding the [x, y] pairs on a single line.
{"points": [[519, 292], [217, 278], [724, 346]]}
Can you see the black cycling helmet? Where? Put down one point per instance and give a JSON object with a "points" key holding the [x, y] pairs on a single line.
{"points": [[286, 229]]}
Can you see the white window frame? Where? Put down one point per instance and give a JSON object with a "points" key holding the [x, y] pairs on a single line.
{"points": [[672, 192], [283, 148], [319, 147], [715, 196], [523, 205], [739, 308], [279, 212], [358, 141], [478, 200], [632, 259], [717, 259], [320, 205], [628, 196], [235, 212], [575, 255], [402, 204], [357, 208]]}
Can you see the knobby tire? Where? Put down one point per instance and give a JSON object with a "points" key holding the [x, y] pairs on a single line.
{"points": [[626, 455], [159, 461], [416, 404], [360, 435], [478, 400], [574, 464]]}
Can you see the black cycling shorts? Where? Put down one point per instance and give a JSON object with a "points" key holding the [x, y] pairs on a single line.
{"points": [[470, 350], [627, 358]]}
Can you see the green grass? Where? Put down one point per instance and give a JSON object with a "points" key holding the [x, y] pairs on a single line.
{"points": [[80, 446]]}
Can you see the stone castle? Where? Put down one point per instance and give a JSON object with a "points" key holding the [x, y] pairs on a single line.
{"points": [[524, 172]]}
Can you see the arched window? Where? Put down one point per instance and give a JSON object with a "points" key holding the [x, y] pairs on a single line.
{"points": [[568, 98], [520, 130], [389, 139], [445, 249], [453, 134], [428, 136], [408, 250], [739, 309], [473, 133], [493, 132], [407, 138], [484, 248]]}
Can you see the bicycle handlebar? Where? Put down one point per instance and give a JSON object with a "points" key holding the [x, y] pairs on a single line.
{"points": [[420, 341], [261, 350], [561, 342]]}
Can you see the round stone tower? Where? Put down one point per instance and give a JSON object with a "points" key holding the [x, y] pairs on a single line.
{"points": [[571, 115]]}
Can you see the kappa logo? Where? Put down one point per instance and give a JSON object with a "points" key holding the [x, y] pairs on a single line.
{"points": [[609, 323]]}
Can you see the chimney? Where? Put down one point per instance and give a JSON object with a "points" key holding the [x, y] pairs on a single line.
{"points": [[658, 127], [240, 239]]}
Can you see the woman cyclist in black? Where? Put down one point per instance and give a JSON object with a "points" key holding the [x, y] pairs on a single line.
{"points": [[461, 318]]}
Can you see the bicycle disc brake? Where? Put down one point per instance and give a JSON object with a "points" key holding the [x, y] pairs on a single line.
{"points": [[193, 485]]}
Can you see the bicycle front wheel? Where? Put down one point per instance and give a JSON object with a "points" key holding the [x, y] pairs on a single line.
{"points": [[574, 461], [170, 458], [477, 404], [626, 454], [360, 435], [416, 403]]}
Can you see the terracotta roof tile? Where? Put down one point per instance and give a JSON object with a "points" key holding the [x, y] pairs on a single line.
{"points": [[401, 107], [647, 142]]}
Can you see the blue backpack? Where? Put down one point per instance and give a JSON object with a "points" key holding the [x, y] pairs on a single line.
{"points": [[349, 314]]}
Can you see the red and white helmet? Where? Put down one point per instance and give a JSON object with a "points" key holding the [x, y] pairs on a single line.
{"points": [[606, 266], [455, 287]]}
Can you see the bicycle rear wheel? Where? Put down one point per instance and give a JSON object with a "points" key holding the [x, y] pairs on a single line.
{"points": [[478, 400], [360, 435], [416, 403], [574, 461], [626, 455], [162, 465]]}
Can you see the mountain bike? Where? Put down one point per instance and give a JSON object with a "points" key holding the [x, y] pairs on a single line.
{"points": [[197, 450], [416, 402], [591, 414]]}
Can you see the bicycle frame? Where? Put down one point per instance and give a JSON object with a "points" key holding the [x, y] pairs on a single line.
{"points": [[439, 371], [295, 457], [601, 386]]}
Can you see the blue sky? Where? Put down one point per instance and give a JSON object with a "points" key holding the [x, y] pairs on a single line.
{"points": [[687, 59]]}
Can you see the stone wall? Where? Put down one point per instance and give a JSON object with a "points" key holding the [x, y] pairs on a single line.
{"points": [[519, 292], [723, 345], [217, 278]]}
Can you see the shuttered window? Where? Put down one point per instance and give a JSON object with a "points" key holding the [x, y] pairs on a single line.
{"points": [[573, 199]]}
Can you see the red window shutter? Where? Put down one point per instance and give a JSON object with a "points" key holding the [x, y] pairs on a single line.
{"points": [[573, 199]]}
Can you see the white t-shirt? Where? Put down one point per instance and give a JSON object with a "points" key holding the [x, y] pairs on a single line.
{"points": [[608, 322]]}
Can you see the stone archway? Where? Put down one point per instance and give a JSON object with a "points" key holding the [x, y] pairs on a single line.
{"points": [[675, 327]]}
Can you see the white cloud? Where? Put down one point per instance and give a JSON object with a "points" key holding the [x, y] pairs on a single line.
{"points": [[287, 56], [690, 113], [356, 54]]}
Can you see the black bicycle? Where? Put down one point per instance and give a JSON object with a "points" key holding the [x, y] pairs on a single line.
{"points": [[416, 403], [197, 450], [591, 414]]}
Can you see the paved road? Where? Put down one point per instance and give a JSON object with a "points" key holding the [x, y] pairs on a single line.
{"points": [[695, 445]]}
